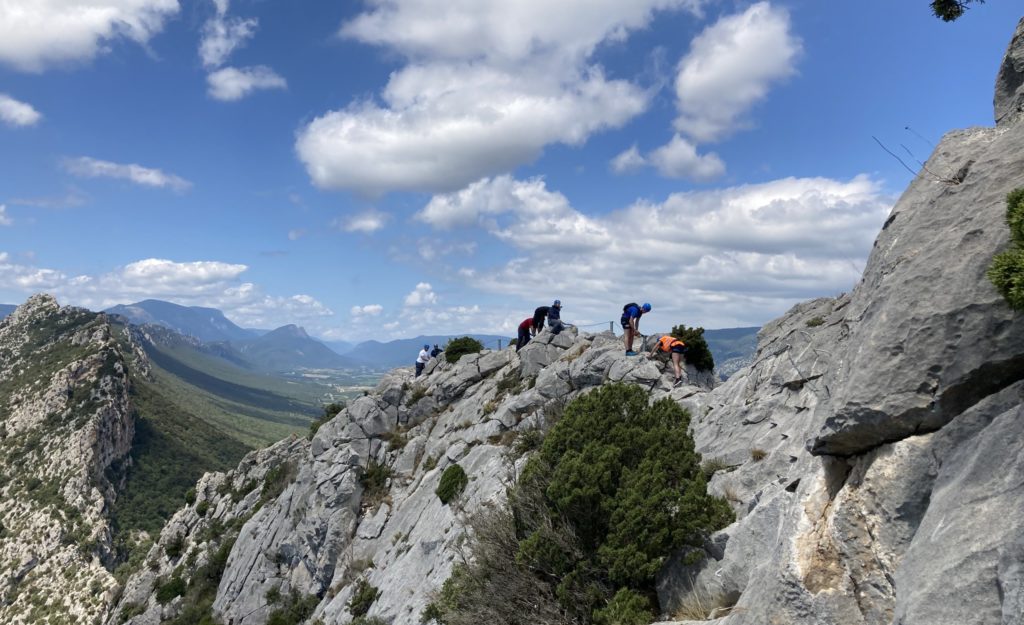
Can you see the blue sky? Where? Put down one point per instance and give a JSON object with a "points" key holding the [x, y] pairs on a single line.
{"points": [[394, 167]]}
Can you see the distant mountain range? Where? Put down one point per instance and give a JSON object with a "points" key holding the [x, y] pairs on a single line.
{"points": [[403, 352], [205, 324]]}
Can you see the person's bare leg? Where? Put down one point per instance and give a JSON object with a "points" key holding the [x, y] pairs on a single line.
{"points": [[675, 363], [627, 338]]}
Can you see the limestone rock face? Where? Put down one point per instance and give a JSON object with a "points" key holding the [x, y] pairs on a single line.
{"points": [[872, 450], [65, 417], [1009, 100], [306, 518]]}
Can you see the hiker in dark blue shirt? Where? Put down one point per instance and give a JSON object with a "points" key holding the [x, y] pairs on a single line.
{"points": [[539, 315], [555, 317], [630, 321]]}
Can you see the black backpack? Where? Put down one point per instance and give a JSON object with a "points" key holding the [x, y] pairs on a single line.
{"points": [[625, 309]]}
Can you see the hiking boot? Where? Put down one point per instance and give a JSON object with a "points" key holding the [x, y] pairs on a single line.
{"points": [[631, 353], [677, 382]]}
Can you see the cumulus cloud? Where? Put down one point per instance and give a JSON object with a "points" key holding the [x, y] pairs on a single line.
{"points": [[4, 219], [87, 167], [16, 113], [628, 160], [725, 257], [730, 67], [222, 35], [487, 86], [233, 83], [198, 283], [365, 222], [369, 310], [35, 34], [422, 295], [679, 159]]}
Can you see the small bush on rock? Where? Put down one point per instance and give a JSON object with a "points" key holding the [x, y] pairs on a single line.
{"points": [[363, 598], [614, 490], [1007, 269], [453, 480], [297, 609], [697, 353], [457, 348], [172, 588], [375, 483]]}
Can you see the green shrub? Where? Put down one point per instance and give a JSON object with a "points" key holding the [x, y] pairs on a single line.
{"points": [[375, 483], [190, 496], [626, 608], [430, 463], [615, 489], [417, 394], [363, 598], [203, 507], [697, 353], [297, 609], [175, 546], [1007, 269], [457, 348], [276, 480], [368, 620], [527, 441], [331, 410], [453, 480], [174, 587], [814, 322]]}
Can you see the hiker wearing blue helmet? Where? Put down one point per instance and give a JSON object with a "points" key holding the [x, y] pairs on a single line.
{"points": [[422, 359], [555, 317], [630, 321]]}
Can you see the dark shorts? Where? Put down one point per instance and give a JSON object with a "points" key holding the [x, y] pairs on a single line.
{"points": [[625, 323], [677, 349]]}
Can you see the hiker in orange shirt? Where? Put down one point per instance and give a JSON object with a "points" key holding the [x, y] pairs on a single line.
{"points": [[671, 345]]}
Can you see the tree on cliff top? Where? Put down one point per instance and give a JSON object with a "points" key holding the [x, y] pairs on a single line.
{"points": [[950, 10]]}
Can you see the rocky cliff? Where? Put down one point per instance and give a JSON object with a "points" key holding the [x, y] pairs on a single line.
{"points": [[873, 452], [64, 419]]}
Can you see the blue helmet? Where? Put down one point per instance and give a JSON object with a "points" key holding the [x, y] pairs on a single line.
{"points": [[646, 307], [558, 303], [426, 347]]}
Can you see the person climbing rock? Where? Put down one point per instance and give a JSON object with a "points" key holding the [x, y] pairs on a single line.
{"points": [[422, 359], [555, 317], [671, 345], [539, 315], [630, 321], [437, 351], [525, 328]]}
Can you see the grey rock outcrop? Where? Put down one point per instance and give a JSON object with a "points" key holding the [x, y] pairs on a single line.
{"points": [[65, 417], [873, 456], [1009, 99]]}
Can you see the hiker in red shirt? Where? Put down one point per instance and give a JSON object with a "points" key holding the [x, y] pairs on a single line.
{"points": [[524, 333]]}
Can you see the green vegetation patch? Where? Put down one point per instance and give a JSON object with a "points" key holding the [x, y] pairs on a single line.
{"points": [[170, 452], [375, 483], [363, 597], [296, 609], [453, 481], [615, 489], [697, 353], [457, 348], [1007, 269]]}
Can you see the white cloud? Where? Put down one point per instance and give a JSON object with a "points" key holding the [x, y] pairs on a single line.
{"points": [[295, 235], [4, 219], [232, 83], [722, 257], [730, 67], [16, 113], [488, 85], [422, 295], [366, 222], [200, 283], [87, 167], [222, 35], [679, 159], [369, 310], [37, 33], [502, 32], [628, 160]]}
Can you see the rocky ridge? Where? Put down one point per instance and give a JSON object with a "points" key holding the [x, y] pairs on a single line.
{"points": [[872, 451], [65, 418]]}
